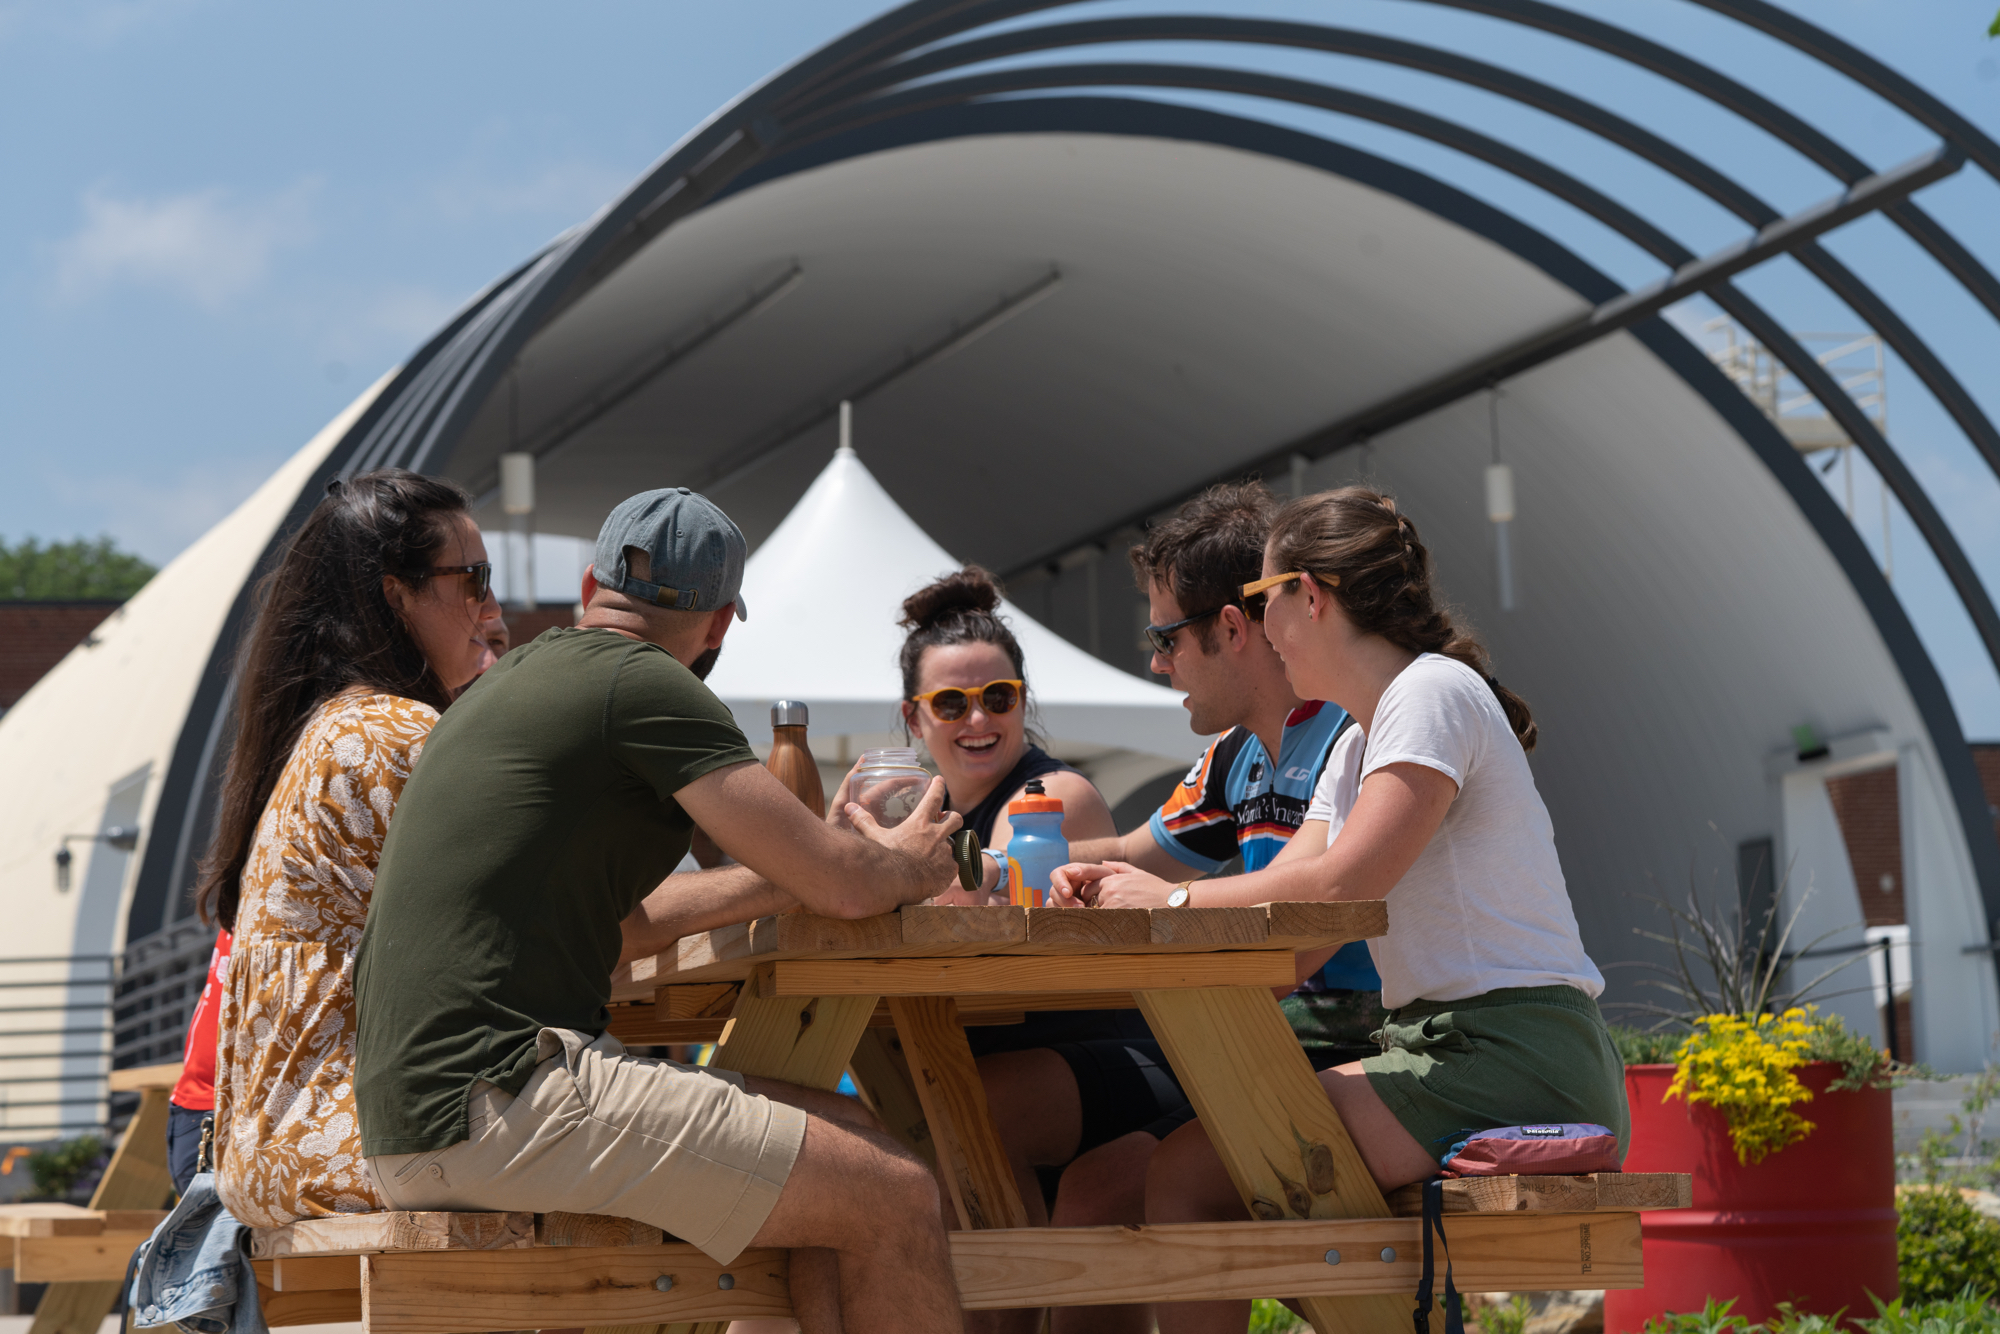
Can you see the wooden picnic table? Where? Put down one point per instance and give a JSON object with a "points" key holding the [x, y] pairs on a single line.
{"points": [[804, 999]]}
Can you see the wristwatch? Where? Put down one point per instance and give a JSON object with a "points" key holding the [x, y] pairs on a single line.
{"points": [[1179, 897]]}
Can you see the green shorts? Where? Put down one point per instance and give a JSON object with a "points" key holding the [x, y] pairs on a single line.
{"points": [[1507, 1058]]}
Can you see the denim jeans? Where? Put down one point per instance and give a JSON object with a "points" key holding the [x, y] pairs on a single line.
{"points": [[194, 1271]]}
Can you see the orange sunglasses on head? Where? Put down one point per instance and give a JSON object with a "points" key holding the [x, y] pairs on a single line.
{"points": [[950, 703]]}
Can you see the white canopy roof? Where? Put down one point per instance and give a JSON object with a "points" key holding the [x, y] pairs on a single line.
{"points": [[823, 593]]}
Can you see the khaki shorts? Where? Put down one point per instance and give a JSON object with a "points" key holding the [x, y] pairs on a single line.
{"points": [[595, 1131]]}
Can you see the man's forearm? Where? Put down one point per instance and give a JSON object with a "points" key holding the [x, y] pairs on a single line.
{"points": [[699, 901]]}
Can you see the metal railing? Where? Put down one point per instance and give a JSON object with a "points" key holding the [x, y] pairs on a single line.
{"points": [[55, 1042], [67, 1021]]}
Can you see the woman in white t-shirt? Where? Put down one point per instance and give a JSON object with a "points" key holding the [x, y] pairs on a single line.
{"points": [[1430, 803]]}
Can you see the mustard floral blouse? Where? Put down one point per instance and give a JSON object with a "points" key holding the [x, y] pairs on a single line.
{"points": [[287, 1143]]}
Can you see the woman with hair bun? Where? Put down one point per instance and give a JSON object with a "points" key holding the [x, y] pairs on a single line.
{"points": [[965, 696], [1428, 802]]}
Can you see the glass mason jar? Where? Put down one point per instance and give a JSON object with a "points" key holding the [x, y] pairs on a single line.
{"points": [[889, 784]]}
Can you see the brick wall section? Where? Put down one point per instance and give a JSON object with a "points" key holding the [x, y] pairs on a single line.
{"points": [[1986, 754], [35, 636], [1871, 826], [523, 626]]}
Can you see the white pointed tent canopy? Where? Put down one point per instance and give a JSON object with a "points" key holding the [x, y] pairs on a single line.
{"points": [[823, 593]]}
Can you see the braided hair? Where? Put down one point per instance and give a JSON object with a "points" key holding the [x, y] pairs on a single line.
{"points": [[1367, 555]]}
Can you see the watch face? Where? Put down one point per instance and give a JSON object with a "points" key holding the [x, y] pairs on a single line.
{"points": [[1178, 897]]}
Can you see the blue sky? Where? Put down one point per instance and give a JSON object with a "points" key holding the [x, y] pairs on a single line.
{"points": [[220, 220]]}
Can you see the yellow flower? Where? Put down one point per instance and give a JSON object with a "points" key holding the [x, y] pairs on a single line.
{"points": [[1744, 1068]]}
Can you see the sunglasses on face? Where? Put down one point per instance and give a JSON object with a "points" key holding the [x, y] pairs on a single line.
{"points": [[950, 703], [482, 578], [1254, 592], [1161, 637]]}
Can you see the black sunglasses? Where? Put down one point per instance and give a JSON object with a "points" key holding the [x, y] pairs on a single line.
{"points": [[1161, 637], [482, 577]]}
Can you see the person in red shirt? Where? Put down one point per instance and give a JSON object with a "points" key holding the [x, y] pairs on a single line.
{"points": [[194, 1096]]}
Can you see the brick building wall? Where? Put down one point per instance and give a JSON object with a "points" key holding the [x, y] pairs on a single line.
{"points": [[35, 636]]}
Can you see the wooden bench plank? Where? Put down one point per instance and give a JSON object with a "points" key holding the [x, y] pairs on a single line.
{"points": [[311, 1273], [593, 1286], [994, 974], [90, 1259], [447, 1292], [318, 1307], [52, 1219], [1554, 1194], [397, 1230], [561, 1229]]}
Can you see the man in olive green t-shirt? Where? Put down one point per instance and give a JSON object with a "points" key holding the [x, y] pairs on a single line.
{"points": [[526, 858]]}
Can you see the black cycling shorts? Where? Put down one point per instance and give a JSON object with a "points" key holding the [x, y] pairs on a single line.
{"points": [[1123, 1084]]}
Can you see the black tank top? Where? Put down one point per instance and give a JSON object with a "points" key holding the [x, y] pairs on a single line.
{"points": [[1034, 763]]}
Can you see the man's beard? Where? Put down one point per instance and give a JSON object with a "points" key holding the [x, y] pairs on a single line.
{"points": [[705, 664]]}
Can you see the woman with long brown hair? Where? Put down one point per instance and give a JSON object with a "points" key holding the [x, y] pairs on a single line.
{"points": [[364, 632], [1428, 802]]}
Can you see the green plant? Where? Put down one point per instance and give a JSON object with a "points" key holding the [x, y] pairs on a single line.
{"points": [[1944, 1247], [56, 1171], [1965, 1312], [1508, 1317], [1791, 1320], [1713, 1318], [1645, 1046], [1274, 1317], [1864, 1064]]}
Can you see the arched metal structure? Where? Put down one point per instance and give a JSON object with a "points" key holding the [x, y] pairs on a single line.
{"points": [[915, 74]]}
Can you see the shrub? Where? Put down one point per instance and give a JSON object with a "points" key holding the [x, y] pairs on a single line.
{"points": [[57, 1171], [1713, 1318], [1640, 1046], [1968, 1312], [1944, 1248]]}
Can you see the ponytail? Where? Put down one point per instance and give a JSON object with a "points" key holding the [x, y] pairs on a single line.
{"points": [[1368, 557]]}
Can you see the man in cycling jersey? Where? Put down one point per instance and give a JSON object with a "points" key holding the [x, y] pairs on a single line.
{"points": [[1102, 1106]]}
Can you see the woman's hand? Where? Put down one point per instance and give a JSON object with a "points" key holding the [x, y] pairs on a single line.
{"points": [[1108, 885]]}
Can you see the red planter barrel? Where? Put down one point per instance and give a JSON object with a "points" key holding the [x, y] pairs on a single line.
{"points": [[1813, 1224]]}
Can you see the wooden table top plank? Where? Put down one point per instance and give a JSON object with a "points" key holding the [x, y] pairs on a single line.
{"points": [[728, 953], [1007, 974]]}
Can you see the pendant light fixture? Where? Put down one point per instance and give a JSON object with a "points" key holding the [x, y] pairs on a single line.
{"points": [[1500, 507], [517, 501]]}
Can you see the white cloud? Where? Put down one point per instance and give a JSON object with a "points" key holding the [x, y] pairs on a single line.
{"points": [[205, 244], [566, 191]]}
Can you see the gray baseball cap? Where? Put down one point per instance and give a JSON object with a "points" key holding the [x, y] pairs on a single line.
{"points": [[697, 551]]}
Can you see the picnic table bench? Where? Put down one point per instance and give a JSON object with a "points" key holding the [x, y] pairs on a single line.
{"points": [[806, 999], [888, 998]]}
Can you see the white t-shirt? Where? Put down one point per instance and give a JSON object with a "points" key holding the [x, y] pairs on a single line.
{"points": [[1484, 906]]}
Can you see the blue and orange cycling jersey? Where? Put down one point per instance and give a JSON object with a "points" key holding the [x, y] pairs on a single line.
{"points": [[1235, 801]]}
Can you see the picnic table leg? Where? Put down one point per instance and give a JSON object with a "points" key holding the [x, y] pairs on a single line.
{"points": [[797, 1040], [1278, 1134], [976, 1170], [136, 1179]]}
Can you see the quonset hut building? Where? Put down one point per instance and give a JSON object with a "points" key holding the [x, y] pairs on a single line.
{"points": [[1066, 287]]}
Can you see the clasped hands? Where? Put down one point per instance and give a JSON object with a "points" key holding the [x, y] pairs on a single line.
{"points": [[1106, 885]]}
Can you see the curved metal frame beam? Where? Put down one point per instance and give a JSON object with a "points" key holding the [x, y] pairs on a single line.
{"points": [[1590, 201], [431, 402]]}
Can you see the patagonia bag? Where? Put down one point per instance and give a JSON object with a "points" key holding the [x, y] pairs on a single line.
{"points": [[1550, 1148]]}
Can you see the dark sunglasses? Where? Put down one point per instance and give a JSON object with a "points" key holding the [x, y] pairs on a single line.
{"points": [[1161, 637], [949, 704], [482, 578]]}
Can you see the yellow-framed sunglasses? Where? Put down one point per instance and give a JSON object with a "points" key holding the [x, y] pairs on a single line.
{"points": [[950, 703], [1258, 587]]}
